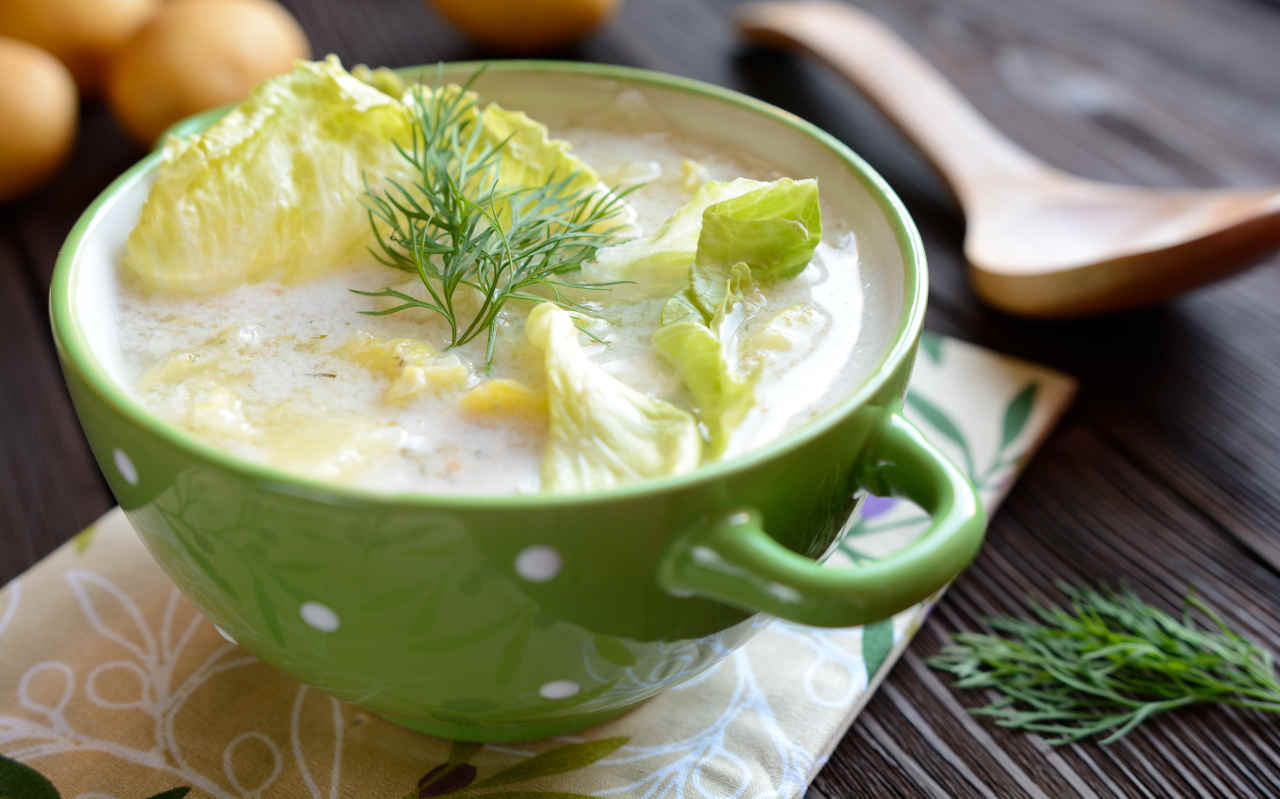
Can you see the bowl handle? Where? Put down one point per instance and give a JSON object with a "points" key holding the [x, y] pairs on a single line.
{"points": [[732, 559]]}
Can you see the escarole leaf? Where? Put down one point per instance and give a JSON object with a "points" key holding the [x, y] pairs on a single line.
{"points": [[276, 189], [531, 157], [766, 234], [699, 349], [272, 190], [383, 79], [773, 230], [602, 432], [528, 157], [659, 263]]}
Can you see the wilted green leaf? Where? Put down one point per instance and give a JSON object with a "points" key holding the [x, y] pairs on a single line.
{"points": [[1016, 414], [602, 432], [557, 761]]}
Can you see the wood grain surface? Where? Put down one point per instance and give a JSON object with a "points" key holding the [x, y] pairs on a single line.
{"points": [[1165, 475]]}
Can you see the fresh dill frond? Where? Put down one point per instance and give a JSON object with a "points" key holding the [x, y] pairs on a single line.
{"points": [[453, 226], [1106, 663]]}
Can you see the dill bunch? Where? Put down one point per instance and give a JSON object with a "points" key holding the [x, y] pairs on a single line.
{"points": [[1106, 663], [453, 226]]}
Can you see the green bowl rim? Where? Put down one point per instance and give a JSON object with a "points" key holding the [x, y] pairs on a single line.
{"points": [[73, 346]]}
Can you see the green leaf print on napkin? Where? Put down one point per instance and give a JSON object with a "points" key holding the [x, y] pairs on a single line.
{"points": [[877, 641], [457, 775], [931, 346], [941, 421], [18, 781], [1016, 414], [557, 761], [81, 541]]}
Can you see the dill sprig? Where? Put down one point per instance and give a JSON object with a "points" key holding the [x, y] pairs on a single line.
{"points": [[1106, 663], [453, 226]]}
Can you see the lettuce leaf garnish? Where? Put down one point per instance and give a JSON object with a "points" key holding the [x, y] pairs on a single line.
{"points": [[773, 229], [272, 190], [275, 189], [602, 432], [764, 235], [659, 263], [701, 351]]}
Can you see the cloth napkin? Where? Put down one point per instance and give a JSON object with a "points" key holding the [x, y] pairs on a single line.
{"points": [[113, 686]]}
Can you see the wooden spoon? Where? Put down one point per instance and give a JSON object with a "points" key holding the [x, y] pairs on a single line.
{"points": [[1039, 241]]}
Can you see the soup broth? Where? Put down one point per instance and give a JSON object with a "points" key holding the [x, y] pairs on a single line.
{"points": [[295, 375]]}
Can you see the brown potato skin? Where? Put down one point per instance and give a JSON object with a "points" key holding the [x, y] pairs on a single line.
{"points": [[199, 54], [83, 34], [527, 26], [39, 105]]}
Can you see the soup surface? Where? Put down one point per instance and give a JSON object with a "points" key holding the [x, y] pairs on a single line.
{"points": [[293, 374]]}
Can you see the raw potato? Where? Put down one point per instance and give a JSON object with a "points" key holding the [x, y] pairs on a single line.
{"points": [[84, 34], [38, 104], [198, 54], [526, 26]]}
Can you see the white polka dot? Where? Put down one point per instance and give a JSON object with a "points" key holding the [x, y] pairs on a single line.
{"points": [[740, 518], [226, 635], [125, 467], [319, 616], [538, 564], [559, 689], [704, 555]]}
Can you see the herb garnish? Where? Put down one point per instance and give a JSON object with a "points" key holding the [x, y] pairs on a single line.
{"points": [[1107, 663], [453, 225]]}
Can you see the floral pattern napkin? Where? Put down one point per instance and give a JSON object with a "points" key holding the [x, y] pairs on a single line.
{"points": [[113, 686]]}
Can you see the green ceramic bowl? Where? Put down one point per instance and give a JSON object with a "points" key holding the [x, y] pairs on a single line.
{"points": [[513, 617]]}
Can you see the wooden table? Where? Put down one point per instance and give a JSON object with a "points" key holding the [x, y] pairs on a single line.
{"points": [[1165, 476]]}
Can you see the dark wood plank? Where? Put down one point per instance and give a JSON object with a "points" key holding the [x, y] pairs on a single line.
{"points": [[50, 487]]}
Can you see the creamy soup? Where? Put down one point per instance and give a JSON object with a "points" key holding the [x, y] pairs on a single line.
{"points": [[291, 372]]}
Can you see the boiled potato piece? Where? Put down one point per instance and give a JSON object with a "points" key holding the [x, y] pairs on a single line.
{"points": [[414, 366], [318, 443], [526, 26], [83, 34], [501, 397], [199, 54], [38, 104]]}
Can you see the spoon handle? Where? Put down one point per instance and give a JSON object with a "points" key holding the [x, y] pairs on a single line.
{"points": [[961, 144]]}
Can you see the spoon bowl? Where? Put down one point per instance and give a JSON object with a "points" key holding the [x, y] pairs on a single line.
{"points": [[1039, 241]]}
